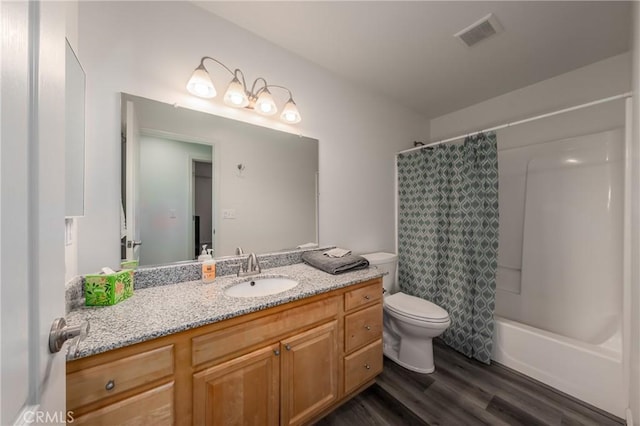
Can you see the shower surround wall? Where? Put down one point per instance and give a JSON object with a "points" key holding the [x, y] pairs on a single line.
{"points": [[559, 282], [561, 236], [550, 335]]}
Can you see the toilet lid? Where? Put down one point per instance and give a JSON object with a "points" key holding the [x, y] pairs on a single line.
{"points": [[415, 307]]}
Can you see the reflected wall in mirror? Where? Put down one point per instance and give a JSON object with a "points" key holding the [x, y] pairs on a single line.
{"points": [[74, 130], [192, 178]]}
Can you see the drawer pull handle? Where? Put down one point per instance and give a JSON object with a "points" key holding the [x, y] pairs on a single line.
{"points": [[368, 327], [110, 385], [287, 347], [367, 366], [367, 297], [276, 352]]}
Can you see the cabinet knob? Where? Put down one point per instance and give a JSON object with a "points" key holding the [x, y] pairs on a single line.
{"points": [[287, 347], [368, 327], [367, 366], [276, 352], [367, 297], [111, 384]]}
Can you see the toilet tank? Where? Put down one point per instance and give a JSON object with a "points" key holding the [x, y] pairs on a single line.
{"points": [[386, 262]]}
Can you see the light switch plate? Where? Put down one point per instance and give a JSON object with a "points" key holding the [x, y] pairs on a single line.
{"points": [[68, 232]]}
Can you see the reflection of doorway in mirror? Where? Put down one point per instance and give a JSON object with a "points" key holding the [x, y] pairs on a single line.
{"points": [[202, 205], [167, 200]]}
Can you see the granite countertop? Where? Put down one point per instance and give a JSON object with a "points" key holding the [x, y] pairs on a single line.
{"points": [[163, 310]]}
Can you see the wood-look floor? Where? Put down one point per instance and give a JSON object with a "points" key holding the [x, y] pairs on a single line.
{"points": [[463, 392]]}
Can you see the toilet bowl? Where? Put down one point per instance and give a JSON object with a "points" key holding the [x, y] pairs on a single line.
{"points": [[414, 322], [410, 323]]}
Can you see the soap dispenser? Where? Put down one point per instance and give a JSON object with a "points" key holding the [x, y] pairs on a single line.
{"points": [[209, 268]]}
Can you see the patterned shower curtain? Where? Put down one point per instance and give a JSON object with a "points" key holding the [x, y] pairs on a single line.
{"points": [[448, 236]]}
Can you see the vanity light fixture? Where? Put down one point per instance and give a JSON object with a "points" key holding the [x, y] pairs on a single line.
{"points": [[238, 96]]}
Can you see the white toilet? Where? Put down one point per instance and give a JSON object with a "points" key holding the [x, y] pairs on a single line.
{"points": [[410, 323]]}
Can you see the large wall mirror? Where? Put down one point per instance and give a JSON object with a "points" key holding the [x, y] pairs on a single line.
{"points": [[190, 178]]}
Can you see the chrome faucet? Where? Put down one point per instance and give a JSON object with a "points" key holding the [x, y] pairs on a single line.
{"points": [[239, 251], [253, 267]]}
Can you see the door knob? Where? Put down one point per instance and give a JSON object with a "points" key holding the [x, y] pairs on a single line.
{"points": [[60, 332], [133, 244]]}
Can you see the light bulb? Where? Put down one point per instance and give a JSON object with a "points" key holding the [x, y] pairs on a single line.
{"points": [[200, 83], [265, 104], [201, 90], [290, 112], [236, 95], [236, 98]]}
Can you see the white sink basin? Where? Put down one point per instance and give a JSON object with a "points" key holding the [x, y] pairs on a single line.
{"points": [[259, 287]]}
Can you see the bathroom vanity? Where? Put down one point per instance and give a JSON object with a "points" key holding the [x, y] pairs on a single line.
{"points": [[188, 354]]}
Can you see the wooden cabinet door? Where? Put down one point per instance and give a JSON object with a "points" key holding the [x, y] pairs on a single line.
{"points": [[242, 391], [309, 373]]}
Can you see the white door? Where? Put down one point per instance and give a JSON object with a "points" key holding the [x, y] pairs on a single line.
{"points": [[132, 187], [32, 381]]}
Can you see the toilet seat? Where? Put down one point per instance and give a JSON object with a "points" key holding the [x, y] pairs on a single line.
{"points": [[415, 308]]}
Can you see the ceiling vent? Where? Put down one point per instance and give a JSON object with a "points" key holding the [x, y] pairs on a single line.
{"points": [[480, 30]]}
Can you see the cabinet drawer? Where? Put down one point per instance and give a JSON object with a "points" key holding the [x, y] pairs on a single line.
{"points": [[217, 344], [363, 295], [362, 327], [362, 366], [92, 384], [153, 407]]}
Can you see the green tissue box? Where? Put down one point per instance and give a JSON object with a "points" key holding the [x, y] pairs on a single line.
{"points": [[108, 289]]}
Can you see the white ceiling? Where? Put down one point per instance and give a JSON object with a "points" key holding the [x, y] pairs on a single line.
{"points": [[406, 50]]}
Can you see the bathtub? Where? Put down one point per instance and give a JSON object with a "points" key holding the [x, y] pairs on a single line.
{"points": [[589, 372], [559, 282]]}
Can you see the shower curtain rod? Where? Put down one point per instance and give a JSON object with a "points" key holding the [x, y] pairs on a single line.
{"points": [[526, 120]]}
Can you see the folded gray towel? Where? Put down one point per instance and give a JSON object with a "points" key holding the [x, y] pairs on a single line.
{"points": [[334, 265]]}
